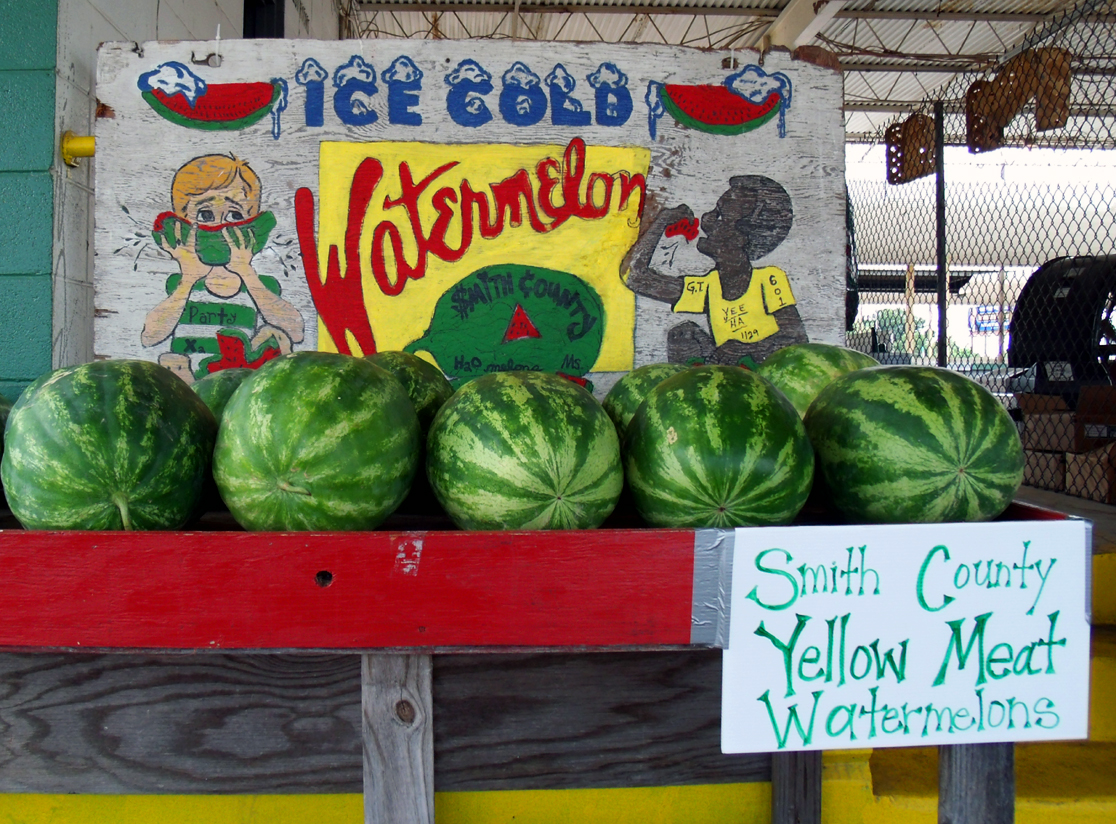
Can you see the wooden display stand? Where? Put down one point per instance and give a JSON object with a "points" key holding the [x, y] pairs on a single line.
{"points": [[399, 597]]}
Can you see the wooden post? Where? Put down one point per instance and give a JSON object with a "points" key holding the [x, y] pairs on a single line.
{"points": [[796, 787], [398, 736], [976, 784]]}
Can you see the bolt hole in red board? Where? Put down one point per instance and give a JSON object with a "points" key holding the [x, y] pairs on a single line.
{"points": [[324, 578]]}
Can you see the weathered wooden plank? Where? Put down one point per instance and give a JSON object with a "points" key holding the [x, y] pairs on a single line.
{"points": [[796, 787], [351, 591], [194, 724], [398, 739], [292, 723], [549, 721], [976, 784]]}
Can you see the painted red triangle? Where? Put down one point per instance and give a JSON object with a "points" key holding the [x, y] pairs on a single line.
{"points": [[520, 326]]}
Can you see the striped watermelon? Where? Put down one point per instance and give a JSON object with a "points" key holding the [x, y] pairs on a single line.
{"points": [[119, 444], [216, 388], [717, 446], [628, 393], [899, 444], [426, 386], [316, 441], [801, 370], [524, 450]]}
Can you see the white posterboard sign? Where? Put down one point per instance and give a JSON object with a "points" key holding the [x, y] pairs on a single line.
{"points": [[907, 635]]}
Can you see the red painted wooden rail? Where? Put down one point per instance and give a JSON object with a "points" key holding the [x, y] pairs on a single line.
{"points": [[346, 591]]}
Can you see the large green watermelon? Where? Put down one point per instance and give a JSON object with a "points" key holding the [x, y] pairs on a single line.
{"points": [[900, 444], [426, 386], [717, 446], [628, 393], [316, 441], [216, 388], [524, 450], [118, 444], [801, 370]]}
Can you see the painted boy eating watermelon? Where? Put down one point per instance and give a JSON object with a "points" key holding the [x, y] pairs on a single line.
{"points": [[751, 310], [218, 312]]}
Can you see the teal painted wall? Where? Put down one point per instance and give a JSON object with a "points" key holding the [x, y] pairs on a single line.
{"points": [[28, 34]]}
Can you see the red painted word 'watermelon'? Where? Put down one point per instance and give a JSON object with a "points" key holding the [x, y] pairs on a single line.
{"points": [[520, 326]]}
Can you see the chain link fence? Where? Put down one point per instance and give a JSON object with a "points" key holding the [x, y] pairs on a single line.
{"points": [[1022, 300]]}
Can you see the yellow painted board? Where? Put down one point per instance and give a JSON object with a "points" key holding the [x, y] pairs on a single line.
{"points": [[704, 804], [1104, 589]]}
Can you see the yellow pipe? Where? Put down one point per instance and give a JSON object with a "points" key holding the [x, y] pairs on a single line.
{"points": [[75, 146]]}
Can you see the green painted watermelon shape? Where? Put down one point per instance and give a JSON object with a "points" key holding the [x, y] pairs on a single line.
{"points": [[117, 444], [524, 450], [800, 371], [183, 98], [717, 446], [628, 393], [914, 444], [212, 243], [316, 441], [511, 317]]}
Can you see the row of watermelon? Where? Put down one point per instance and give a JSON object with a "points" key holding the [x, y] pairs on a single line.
{"points": [[318, 441]]}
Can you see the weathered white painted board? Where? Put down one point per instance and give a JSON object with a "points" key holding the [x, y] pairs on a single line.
{"points": [[585, 145]]}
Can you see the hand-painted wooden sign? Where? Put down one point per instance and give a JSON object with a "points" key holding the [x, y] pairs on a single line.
{"points": [[582, 209]]}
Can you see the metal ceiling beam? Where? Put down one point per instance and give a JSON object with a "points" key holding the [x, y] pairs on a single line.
{"points": [[957, 107], [798, 22], [695, 11], [959, 67]]}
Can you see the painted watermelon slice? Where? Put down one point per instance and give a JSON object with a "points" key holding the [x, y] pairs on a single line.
{"points": [[520, 326], [211, 244], [716, 109], [224, 106]]}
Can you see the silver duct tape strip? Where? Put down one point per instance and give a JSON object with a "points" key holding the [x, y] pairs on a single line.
{"points": [[712, 587], [1089, 571]]}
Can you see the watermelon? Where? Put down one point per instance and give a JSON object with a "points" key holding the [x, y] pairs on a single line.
{"points": [[223, 106], [801, 370], [628, 393], [5, 408], [717, 446], [212, 244], [119, 444], [316, 441], [716, 109], [901, 444], [216, 388], [524, 450], [426, 386]]}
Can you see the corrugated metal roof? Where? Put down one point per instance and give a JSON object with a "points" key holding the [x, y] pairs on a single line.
{"points": [[896, 54]]}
